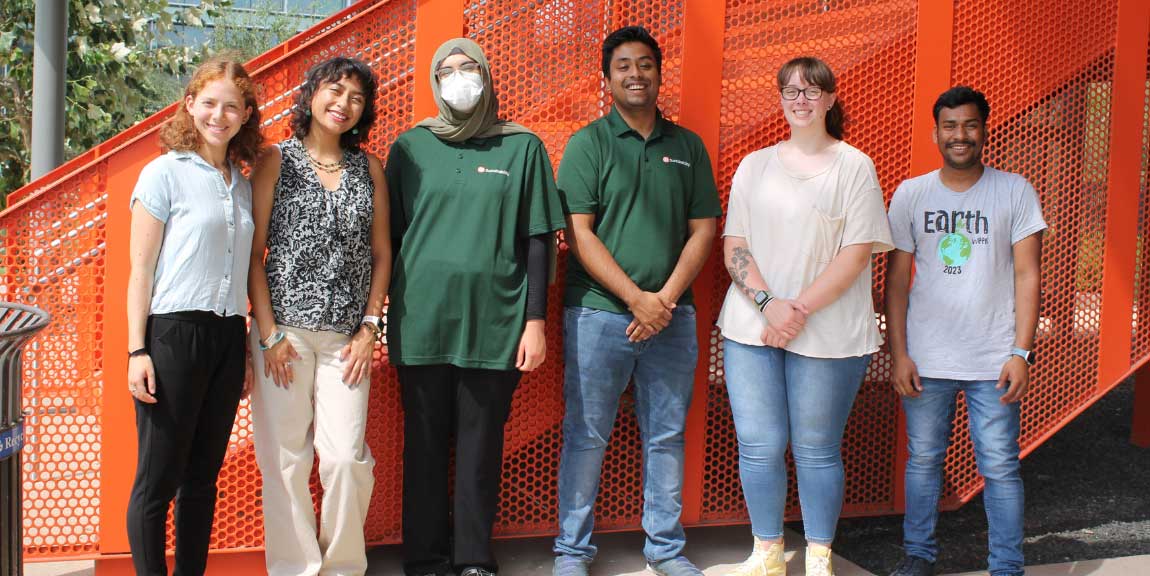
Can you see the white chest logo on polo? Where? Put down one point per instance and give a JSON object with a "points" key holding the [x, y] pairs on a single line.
{"points": [[486, 170], [669, 160]]}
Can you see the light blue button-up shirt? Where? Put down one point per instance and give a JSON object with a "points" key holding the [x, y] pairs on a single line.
{"points": [[208, 227]]}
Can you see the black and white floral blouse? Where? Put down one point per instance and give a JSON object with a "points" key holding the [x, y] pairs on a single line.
{"points": [[319, 243]]}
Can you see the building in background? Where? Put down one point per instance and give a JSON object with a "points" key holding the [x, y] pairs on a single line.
{"points": [[253, 26]]}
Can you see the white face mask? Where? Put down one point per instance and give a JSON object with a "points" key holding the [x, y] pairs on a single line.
{"points": [[462, 91]]}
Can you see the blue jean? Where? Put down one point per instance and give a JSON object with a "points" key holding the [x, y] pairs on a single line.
{"points": [[600, 362], [779, 397], [994, 427]]}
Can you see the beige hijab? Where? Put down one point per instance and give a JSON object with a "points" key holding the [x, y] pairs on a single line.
{"points": [[484, 121]]}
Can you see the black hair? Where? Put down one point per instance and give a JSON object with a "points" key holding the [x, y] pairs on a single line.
{"points": [[630, 34], [961, 95], [816, 73], [334, 70]]}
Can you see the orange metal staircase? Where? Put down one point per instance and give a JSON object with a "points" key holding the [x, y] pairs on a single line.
{"points": [[1071, 110]]}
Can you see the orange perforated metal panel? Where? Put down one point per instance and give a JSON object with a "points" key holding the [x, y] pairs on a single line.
{"points": [[1048, 67], [53, 258], [1141, 346], [556, 96], [1048, 84], [871, 69]]}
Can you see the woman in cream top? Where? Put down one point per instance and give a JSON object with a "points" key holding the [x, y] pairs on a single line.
{"points": [[804, 217]]}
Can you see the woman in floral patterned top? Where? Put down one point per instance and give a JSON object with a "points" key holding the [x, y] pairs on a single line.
{"points": [[321, 216]]}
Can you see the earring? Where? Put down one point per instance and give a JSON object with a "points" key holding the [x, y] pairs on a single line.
{"points": [[355, 130], [307, 112]]}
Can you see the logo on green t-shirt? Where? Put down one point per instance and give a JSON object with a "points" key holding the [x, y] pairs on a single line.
{"points": [[486, 170]]}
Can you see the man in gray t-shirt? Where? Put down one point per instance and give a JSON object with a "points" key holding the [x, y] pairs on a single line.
{"points": [[974, 237]]}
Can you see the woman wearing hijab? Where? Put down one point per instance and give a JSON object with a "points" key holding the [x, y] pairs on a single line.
{"points": [[474, 207]]}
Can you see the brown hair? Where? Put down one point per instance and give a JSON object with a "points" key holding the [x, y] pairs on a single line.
{"points": [[181, 134], [816, 73]]}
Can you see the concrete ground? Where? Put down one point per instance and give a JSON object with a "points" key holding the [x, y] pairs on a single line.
{"points": [[715, 550]]}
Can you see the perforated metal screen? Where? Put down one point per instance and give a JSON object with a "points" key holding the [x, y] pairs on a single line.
{"points": [[1141, 345], [53, 258], [760, 37], [1048, 68]]}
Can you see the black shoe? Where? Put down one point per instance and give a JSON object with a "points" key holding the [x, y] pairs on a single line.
{"points": [[914, 566]]}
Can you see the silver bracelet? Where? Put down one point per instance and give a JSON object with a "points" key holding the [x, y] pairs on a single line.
{"points": [[272, 340]]}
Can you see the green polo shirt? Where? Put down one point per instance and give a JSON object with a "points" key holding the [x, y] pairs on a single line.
{"points": [[461, 212], [642, 193]]}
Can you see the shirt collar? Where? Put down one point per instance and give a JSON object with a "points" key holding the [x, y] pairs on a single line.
{"points": [[194, 157], [619, 126]]}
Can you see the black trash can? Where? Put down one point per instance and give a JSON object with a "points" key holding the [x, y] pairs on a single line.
{"points": [[18, 324]]}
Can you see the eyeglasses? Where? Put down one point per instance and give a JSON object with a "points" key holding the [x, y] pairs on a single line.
{"points": [[810, 93], [445, 71]]}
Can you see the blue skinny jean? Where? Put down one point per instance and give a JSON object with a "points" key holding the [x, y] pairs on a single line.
{"points": [[779, 397]]}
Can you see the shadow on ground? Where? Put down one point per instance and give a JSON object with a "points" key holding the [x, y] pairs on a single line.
{"points": [[1087, 497]]}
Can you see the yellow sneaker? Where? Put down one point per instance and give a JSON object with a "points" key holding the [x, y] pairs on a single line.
{"points": [[819, 561], [765, 560]]}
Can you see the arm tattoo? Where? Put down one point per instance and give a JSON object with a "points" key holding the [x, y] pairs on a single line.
{"points": [[737, 268]]}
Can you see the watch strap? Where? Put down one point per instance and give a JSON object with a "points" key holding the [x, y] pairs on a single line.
{"points": [[766, 299], [375, 324], [1026, 355]]}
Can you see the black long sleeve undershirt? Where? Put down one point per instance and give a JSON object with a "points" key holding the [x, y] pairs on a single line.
{"points": [[537, 261]]}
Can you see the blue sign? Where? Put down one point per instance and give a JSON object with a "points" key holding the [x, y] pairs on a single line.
{"points": [[11, 440]]}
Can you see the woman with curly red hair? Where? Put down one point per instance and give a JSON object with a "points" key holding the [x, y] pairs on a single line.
{"points": [[187, 301]]}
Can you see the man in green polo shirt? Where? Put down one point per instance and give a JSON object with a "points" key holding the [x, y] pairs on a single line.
{"points": [[641, 207]]}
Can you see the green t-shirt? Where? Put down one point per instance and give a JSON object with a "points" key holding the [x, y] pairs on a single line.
{"points": [[461, 212], [642, 194]]}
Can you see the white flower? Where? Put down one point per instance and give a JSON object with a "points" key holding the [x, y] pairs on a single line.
{"points": [[120, 52]]}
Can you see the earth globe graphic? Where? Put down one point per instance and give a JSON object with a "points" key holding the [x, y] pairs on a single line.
{"points": [[954, 249]]}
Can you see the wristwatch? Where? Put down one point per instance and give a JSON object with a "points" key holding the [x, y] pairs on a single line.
{"points": [[762, 298], [1027, 355], [375, 323]]}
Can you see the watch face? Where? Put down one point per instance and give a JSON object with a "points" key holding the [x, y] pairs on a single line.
{"points": [[760, 297]]}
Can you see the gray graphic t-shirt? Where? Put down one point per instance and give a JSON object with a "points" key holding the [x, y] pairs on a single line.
{"points": [[960, 321]]}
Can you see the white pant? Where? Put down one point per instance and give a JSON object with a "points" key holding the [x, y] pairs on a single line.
{"points": [[317, 412]]}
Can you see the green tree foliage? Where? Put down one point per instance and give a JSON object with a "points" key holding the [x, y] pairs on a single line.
{"points": [[118, 52], [248, 32]]}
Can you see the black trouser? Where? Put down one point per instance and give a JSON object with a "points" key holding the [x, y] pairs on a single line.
{"points": [[475, 404], [199, 362]]}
